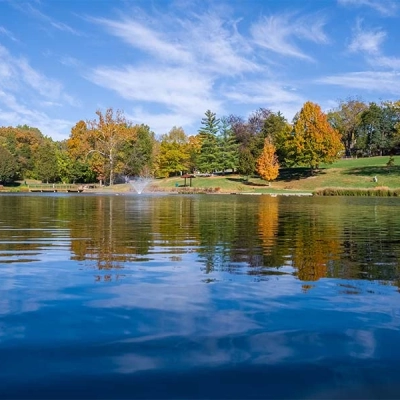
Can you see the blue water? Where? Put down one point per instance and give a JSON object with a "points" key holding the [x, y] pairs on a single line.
{"points": [[181, 297]]}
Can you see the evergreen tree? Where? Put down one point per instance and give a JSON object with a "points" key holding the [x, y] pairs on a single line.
{"points": [[247, 163], [209, 159], [229, 147]]}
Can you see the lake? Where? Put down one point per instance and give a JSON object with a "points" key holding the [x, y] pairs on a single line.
{"points": [[206, 296]]}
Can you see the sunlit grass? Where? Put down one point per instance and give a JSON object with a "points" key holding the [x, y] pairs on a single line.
{"points": [[347, 173]]}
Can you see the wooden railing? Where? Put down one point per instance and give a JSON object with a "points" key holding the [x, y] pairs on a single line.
{"points": [[56, 187]]}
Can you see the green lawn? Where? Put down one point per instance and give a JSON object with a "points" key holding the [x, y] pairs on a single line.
{"points": [[348, 173]]}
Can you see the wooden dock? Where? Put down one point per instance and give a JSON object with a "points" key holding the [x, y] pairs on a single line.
{"points": [[56, 187]]}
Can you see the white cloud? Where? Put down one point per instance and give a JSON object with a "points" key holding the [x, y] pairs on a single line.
{"points": [[278, 33], [203, 41], [379, 82], [384, 7], [366, 41], [178, 89], [141, 37]]}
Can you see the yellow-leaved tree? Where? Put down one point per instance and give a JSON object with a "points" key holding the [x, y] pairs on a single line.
{"points": [[313, 139], [267, 163]]}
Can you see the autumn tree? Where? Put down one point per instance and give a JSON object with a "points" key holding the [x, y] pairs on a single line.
{"points": [[100, 141], [174, 152], [194, 148], [267, 163], [313, 140], [78, 145], [23, 143]]}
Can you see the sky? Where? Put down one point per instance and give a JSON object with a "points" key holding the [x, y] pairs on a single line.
{"points": [[164, 63]]}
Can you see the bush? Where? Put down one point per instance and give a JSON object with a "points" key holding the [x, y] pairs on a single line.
{"points": [[381, 191]]}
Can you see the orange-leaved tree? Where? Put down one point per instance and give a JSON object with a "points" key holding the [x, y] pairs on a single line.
{"points": [[267, 163], [100, 141], [313, 139]]}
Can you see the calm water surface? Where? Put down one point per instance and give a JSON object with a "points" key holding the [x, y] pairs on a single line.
{"points": [[147, 296]]}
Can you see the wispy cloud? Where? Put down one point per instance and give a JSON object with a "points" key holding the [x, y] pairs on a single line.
{"points": [[16, 76], [279, 33], [205, 41], [6, 32], [368, 41], [379, 82], [27, 8], [384, 7], [176, 88]]}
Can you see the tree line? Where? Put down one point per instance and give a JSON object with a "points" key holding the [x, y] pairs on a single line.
{"points": [[110, 147]]}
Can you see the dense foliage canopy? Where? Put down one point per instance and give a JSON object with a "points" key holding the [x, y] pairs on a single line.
{"points": [[109, 147]]}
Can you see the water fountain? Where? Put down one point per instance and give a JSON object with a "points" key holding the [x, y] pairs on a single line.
{"points": [[138, 183]]}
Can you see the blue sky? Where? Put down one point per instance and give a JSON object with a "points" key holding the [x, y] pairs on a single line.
{"points": [[164, 63]]}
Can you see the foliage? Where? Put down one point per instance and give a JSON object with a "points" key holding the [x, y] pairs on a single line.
{"points": [[277, 129], [375, 192], [22, 142], [346, 119], [46, 162], [267, 163], [8, 165], [174, 152], [229, 147], [377, 129], [313, 139], [137, 152], [247, 164], [209, 159]]}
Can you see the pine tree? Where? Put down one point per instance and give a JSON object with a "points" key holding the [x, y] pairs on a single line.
{"points": [[229, 147], [209, 159]]}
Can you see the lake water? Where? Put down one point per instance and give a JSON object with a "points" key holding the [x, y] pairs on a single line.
{"points": [[209, 296]]}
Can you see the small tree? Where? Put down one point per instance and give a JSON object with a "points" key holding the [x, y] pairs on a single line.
{"points": [[267, 163], [246, 163]]}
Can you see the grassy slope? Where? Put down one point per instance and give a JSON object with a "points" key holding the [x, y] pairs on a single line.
{"points": [[349, 173]]}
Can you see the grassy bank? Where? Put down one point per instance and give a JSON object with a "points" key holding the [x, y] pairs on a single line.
{"points": [[355, 174], [345, 177]]}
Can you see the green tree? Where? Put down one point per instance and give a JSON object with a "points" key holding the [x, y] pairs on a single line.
{"points": [[346, 120], [377, 129], [313, 139], [8, 165], [209, 159], [46, 162], [137, 153], [247, 163], [229, 147], [277, 129]]}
